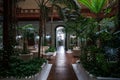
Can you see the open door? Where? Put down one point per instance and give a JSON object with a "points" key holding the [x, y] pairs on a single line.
{"points": [[60, 36]]}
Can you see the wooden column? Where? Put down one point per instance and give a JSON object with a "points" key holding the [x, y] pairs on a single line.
{"points": [[7, 21]]}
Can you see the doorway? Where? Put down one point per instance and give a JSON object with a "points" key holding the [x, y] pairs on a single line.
{"points": [[60, 36]]}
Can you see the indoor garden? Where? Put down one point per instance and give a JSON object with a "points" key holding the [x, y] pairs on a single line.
{"points": [[98, 40], [27, 41]]}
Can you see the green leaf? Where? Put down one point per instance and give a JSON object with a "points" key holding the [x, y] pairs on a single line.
{"points": [[94, 5], [101, 4]]}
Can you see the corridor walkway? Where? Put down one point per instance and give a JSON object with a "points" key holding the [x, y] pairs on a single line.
{"points": [[62, 66]]}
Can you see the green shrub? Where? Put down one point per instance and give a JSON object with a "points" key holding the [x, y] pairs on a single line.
{"points": [[21, 69], [50, 49], [94, 61], [102, 67]]}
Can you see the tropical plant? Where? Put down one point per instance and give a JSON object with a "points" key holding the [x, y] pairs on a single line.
{"points": [[44, 12], [42, 4], [101, 67], [84, 28], [22, 69], [103, 30], [96, 6], [26, 31], [50, 49]]}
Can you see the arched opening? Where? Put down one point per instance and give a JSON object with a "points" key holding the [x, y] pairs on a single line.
{"points": [[60, 36]]}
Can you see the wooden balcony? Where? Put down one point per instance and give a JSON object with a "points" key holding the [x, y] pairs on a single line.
{"points": [[32, 14], [87, 12]]}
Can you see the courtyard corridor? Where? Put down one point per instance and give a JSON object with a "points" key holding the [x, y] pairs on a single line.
{"points": [[62, 66]]}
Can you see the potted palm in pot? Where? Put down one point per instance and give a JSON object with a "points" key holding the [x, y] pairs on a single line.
{"points": [[26, 32]]}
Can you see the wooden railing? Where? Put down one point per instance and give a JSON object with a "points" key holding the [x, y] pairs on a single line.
{"points": [[32, 14], [27, 13]]}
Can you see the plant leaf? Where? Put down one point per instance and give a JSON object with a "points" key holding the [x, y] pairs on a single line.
{"points": [[94, 5]]}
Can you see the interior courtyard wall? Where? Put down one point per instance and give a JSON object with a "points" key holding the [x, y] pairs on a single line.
{"points": [[48, 27], [29, 4]]}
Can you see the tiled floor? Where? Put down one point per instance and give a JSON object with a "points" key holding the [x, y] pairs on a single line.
{"points": [[62, 66]]}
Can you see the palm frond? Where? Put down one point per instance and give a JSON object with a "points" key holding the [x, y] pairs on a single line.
{"points": [[94, 5]]}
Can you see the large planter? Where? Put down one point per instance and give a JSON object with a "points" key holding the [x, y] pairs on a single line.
{"points": [[26, 56], [49, 55], [37, 76], [35, 51], [107, 78], [76, 52], [92, 77], [81, 73]]}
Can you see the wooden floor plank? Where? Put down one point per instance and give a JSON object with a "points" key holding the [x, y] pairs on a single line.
{"points": [[62, 66]]}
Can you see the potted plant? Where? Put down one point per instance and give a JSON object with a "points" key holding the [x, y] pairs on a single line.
{"points": [[51, 51], [25, 54], [27, 32]]}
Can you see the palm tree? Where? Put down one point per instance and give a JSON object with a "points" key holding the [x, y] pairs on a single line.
{"points": [[95, 6], [43, 10], [57, 5], [25, 32], [42, 4]]}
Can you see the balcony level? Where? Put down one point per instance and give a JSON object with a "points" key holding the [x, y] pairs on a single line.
{"points": [[33, 14], [87, 12]]}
